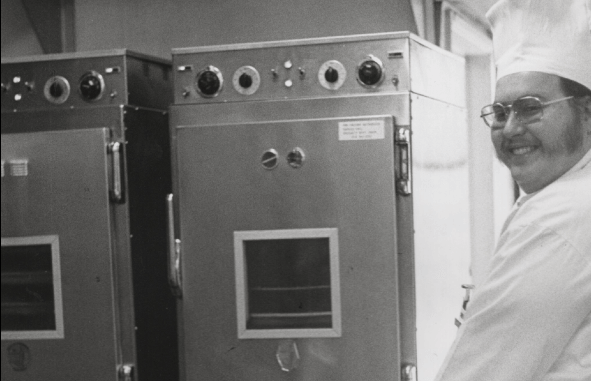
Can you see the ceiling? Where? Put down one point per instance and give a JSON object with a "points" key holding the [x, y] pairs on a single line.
{"points": [[474, 8]]}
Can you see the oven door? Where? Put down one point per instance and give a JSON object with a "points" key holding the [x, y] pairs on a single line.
{"points": [[58, 308], [288, 241]]}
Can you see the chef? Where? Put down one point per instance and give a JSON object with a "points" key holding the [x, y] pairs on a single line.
{"points": [[530, 320]]}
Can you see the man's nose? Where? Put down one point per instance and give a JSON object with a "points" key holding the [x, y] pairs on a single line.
{"points": [[513, 126]]}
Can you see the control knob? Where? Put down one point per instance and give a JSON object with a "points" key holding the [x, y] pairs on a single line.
{"points": [[332, 75], [91, 86], [370, 72], [246, 80], [56, 89], [209, 82]]}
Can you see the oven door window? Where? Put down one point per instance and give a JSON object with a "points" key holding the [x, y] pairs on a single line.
{"points": [[287, 283], [31, 288]]}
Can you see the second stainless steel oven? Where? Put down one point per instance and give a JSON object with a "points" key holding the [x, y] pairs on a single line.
{"points": [[298, 168], [85, 165]]}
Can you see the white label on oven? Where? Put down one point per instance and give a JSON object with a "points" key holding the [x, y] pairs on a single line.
{"points": [[361, 130]]}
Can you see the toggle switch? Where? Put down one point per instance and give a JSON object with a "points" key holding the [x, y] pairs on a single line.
{"points": [[112, 70], [184, 68], [302, 73], [274, 74]]}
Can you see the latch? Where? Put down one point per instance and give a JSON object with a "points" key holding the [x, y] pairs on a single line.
{"points": [[409, 373], [126, 372], [174, 252], [116, 191], [404, 178]]}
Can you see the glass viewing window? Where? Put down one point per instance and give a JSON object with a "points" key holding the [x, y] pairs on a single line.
{"points": [[31, 288], [287, 283]]}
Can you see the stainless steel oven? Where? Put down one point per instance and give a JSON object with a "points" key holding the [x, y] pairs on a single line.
{"points": [[85, 165], [298, 169]]}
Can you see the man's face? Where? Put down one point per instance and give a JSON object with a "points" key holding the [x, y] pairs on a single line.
{"points": [[539, 153]]}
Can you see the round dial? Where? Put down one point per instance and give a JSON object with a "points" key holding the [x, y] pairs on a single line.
{"points": [[370, 72], [209, 82], [92, 86], [56, 89], [332, 75], [246, 80]]}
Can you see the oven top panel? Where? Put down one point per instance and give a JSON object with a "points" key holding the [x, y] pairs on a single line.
{"points": [[313, 68], [84, 80]]}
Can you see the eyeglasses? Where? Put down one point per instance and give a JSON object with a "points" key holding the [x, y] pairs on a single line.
{"points": [[527, 110]]}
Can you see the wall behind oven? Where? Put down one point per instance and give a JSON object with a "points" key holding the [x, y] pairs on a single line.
{"points": [[156, 26]]}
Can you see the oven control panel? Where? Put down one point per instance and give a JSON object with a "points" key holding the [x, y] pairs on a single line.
{"points": [[319, 67], [73, 80]]}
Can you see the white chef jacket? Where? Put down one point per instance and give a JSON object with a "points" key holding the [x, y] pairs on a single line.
{"points": [[530, 320]]}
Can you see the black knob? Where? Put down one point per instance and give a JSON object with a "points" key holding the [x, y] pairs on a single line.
{"points": [[91, 86], [56, 90], [208, 83], [245, 80], [370, 73], [331, 75]]}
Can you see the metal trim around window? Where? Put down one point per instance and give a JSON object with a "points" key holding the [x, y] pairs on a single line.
{"points": [[58, 326]]}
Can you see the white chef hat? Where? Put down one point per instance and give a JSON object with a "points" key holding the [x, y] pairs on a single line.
{"points": [[549, 36]]}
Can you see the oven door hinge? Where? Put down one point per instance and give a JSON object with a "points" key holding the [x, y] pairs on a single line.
{"points": [[127, 372]]}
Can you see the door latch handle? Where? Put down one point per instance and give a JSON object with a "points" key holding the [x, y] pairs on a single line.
{"points": [[126, 372], [409, 373], [404, 178], [174, 252], [116, 191]]}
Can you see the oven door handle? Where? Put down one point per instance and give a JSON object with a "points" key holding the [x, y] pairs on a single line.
{"points": [[174, 252], [116, 191], [404, 176]]}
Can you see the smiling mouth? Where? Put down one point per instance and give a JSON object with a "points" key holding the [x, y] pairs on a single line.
{"points": [[519, 151]]}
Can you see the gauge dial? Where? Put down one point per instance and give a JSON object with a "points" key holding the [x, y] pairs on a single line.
{"points": [[209, 82], [57, 90], [246, 80], [92, 86], [332, 75], [370, 72]]}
